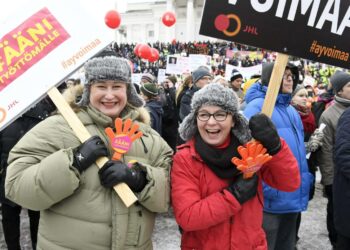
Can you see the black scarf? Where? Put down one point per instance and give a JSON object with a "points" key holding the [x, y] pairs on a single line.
{"points": [[219, 159]]}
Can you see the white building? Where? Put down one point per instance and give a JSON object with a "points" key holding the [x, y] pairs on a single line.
{"points": [[142, 21]]}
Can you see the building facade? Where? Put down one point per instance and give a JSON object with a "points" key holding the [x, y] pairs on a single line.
{"points": [[142, 21]]}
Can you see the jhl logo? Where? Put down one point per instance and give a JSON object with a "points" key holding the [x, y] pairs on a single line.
{"points": [[222, 23]]}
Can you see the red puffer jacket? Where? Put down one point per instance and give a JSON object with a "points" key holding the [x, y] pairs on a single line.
{"points": [[212, 218]]}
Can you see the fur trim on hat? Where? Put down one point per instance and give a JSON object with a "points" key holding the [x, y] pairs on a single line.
{"points": [[109, 68], [216, 95]]}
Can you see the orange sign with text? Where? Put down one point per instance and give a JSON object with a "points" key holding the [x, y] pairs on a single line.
{"points": [[28, 43]]}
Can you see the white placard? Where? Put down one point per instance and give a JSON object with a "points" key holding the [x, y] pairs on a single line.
{"points": [[136, 78], [198, 60], [161, 75], [246, 72], [177, 65], [43, 41]]}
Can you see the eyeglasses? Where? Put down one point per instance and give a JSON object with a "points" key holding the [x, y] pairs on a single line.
{"points": [[219, 116]]}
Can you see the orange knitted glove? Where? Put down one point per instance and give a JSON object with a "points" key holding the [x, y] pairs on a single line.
{"points": [[253, 157]]}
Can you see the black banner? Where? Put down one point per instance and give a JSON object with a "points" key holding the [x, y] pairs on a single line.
{"points": [[318, 30]]}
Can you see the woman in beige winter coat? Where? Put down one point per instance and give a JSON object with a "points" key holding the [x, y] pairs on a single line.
{"points": [[51, 171]]}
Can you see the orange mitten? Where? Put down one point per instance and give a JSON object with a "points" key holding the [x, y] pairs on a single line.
{"points": [[122, 139], [253, 157]]}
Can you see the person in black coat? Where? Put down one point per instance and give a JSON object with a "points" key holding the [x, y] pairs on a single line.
{"points": [[170, 120], [341, 182], [11, 211], [150, 94]]}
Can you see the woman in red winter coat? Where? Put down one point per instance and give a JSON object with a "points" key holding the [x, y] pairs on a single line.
{"points": [[214, 205]]}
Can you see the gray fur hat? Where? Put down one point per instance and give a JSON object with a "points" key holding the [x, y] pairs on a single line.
{"points": [[109, 67], [217, 95]]}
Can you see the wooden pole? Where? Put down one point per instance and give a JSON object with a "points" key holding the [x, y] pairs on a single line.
{"points": [[274, 84], [123, 190]]}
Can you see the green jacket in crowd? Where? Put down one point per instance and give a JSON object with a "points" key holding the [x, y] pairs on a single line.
{"points": [[77, 212]]}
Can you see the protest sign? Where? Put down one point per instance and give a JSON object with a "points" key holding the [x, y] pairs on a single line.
{"points": [[177, 65], [136, 78], [196, 60], [40, 45], [316, 30], [161, 76]]}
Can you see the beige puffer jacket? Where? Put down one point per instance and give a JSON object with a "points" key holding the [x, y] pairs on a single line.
{"points": [[76, 211]]}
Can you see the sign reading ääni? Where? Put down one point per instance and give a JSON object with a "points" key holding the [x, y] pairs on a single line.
{"points": [[318, 30]]}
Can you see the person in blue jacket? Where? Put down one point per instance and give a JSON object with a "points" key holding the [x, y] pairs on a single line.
{"points": [[281, 209], [341, 182]]}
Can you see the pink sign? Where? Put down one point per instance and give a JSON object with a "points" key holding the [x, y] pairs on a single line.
{"points": [[28, 43]]}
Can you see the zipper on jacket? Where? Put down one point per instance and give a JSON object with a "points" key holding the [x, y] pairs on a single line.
{"points": [[144, 146]]}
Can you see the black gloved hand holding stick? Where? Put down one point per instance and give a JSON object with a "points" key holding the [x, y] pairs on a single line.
{"points": [[264, 131], [88, 152], [115, 172]]}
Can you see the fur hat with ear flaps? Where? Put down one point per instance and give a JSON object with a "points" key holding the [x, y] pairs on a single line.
{"points": [[107, 66], [216, 95]]}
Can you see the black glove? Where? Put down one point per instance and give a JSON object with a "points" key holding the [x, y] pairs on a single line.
{"points": [[264, 131], [115, 172], [88, 152], [244, 189]]}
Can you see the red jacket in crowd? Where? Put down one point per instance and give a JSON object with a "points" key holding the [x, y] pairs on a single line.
{"points": [[211, 217]]}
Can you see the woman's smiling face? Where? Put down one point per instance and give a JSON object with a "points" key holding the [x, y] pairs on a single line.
{"points": [[109, 97], [215, 130]]}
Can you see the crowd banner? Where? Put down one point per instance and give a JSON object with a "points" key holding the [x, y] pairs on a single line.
{"points": [[315, 30], [40, 45]]}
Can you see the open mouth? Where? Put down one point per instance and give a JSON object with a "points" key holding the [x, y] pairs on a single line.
{"points": [[109, 104], [213, 131]]}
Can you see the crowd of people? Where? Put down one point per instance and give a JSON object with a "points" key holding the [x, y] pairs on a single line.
{"points": [[193, 125]]}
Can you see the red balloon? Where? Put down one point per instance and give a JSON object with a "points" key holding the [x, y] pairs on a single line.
{"points": [[168, 18], [136, 49], [144, 51], [112, 19], [154, 55]]}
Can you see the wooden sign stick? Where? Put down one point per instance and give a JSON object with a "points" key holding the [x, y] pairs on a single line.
{"points": [[274, 84], [254, 155], [123, 190]]}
